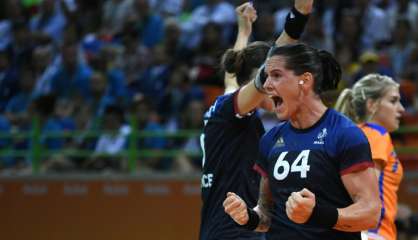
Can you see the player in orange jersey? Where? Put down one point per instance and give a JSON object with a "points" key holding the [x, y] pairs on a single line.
{"points": [[374, 103]]}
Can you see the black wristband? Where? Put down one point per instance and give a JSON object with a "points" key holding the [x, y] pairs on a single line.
{"points": [[323, 216], [260, 79], [295, 23], [253, 220]]}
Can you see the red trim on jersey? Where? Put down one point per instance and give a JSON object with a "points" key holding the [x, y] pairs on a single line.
{"points": [[235, 100], [357, 167], [260, 170]]}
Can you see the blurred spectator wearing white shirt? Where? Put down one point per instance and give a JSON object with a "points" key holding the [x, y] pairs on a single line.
{"points": [[112, 142]]}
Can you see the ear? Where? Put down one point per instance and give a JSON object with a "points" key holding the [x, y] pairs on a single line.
{"points": [[306, 81], [371, 106]]}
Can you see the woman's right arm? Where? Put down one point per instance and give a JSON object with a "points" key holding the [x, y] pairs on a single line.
{"points": [[264, 206]]}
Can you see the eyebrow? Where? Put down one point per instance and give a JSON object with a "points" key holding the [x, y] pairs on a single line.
{"points": [[276, 70]]}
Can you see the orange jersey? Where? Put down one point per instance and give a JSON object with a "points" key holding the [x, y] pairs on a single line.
{"points": [[383, 154]]}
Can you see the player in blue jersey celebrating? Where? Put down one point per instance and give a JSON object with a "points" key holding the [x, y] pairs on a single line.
{"points": [[233, 129], [317, 176]]}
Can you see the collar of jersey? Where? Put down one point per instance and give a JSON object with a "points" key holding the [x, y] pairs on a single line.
{"points": [[304, 130]]}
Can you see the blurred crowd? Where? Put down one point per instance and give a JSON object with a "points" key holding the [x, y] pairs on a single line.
{"points": [[108, 65]]}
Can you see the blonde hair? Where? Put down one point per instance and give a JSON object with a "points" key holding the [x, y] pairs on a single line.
{"points": [[353, 102]]}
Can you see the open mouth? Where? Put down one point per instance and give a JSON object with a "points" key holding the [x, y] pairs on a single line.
{"points": [[277, 100]]}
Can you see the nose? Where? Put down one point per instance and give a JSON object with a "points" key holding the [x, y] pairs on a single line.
{"points": [[267, 85], [401, 108]]}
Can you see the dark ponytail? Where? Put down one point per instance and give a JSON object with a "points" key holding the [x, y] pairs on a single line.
{"points": [[331, 71], [232, 61], [243, 62]]}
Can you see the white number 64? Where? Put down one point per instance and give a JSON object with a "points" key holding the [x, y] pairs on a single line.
{"points": [[299, 165]]}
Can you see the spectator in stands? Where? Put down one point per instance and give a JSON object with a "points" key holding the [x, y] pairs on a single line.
{"points": [[105, 61], [135, 57], [405, 9], [100, 93], [49, 23], [314, 34], [349, 65], [349, 34], [111, 142], [205, 63], [5, 26], [10, 12], [21, 47], [148, 24], [89, 16], [213, 11], [168, 8], [45, 66], [72, 77], [62, 122], [17, 106], [148, 120], [5, 144], [190, 159], [153, 81], [8, 80], [114, 15], [400, 50], [370, 63], [375, 24], [173, 43], [179, 92]]}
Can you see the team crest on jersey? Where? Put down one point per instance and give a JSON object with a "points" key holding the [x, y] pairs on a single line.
{"points": [[321, 136], [279, 143]]}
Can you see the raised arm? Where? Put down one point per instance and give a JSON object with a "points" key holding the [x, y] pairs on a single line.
{"points": [[303, 7], [251, 96], [364, 213], [246, 16]]}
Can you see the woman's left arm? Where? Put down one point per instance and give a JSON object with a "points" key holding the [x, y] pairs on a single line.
{"points": [[364, 213]]}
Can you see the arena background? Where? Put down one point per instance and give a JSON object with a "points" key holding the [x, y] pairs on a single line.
{"points": [[102, 102]]}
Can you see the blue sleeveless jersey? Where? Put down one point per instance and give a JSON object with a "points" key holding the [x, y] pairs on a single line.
{"points": [[313, 158], [230, 144]]}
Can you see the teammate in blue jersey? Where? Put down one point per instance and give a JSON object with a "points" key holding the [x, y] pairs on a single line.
{"points": [[317, 176], [233, 129]]}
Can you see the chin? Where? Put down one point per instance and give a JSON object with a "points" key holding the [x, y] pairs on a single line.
{"points": [[281, 116], [393, 128]]}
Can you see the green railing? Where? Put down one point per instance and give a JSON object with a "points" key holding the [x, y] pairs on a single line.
{"points": [[132, 153]]}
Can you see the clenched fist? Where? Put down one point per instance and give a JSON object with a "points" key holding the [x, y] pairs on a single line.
{"points": [[299, 206], [246, 16], [304, 6], [236, 208]]}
